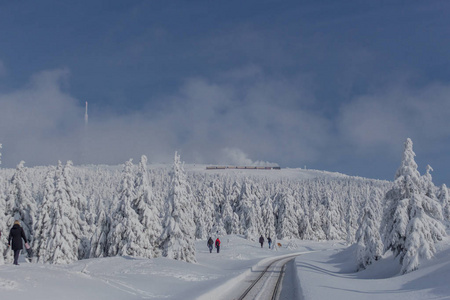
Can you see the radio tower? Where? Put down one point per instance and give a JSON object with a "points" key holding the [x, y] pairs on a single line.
{"points": [[86, 117]]}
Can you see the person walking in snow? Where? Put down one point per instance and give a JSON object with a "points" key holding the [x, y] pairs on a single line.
{"points": [[16, 235], [210, 244], [261, 241], [269, 240], [218, 245]]}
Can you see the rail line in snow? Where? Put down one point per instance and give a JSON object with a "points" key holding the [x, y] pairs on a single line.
{"points": [[267, 284]]}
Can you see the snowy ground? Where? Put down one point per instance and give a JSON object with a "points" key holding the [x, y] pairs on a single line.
{"points": [[324, 274]]}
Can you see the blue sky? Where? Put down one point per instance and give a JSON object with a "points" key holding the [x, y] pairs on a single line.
{"points": [[332, 85]]}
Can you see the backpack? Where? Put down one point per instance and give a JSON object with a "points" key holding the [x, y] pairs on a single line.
{"points": [[217, 243]]}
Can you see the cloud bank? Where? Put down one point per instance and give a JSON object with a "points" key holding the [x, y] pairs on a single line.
{"points": [[239, 117]]}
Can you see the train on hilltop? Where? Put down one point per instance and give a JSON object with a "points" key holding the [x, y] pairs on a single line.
{"points": [[242, 168]]}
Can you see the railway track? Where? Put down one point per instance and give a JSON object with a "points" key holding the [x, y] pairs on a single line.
{"points": [[267, 284]]}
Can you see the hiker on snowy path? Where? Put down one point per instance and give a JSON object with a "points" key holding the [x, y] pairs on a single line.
{"points": [[16, 235], [210, 244], [218, 245], [269, 240], [261, 240]]}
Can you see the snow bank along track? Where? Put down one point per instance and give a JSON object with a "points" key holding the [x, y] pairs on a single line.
{"points": [[267, 284]]}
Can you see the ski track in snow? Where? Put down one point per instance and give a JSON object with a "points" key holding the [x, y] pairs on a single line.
{"points": [[7, 284], [112, 281]]}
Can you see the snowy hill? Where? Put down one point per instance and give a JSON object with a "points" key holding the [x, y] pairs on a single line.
{"points": [[139, 230]]}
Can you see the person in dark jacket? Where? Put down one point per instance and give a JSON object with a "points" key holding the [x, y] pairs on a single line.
{"points": [[16, 234], [261, 240], [210, 244], [218, 245], [269, 240]]}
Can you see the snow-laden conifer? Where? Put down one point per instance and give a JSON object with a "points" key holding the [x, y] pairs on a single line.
{"points": [[177, 239], [3, 228], [422, 232], [411, 222], [99, 239], [127, 236], [146, 207], [228, 217], [444, 200], [332, 217], [268, 217], [64, 230], [218, 205], [287, 226], [369, 246], [20, 204], [44, 218], [247, 213], [315, 215], [351, 222]]}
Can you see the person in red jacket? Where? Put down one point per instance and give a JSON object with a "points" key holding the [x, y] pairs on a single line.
{"points": [[218, 245]]}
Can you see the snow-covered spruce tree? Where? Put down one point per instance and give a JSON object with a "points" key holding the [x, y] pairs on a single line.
{"points": [[287, 225], [227, 216], [78, 201], [99, 239], [428, 185], [3, 228], [412, 220], [127, 235], [369, 247], [331, 218], [268, 217], [350, 221], [177, 239], [218, 207], [315, 221], [20, 204], [64, 229], [44, 217], [204, 213], [234, 197], [247, 213], [146, 208], [444, 200]]}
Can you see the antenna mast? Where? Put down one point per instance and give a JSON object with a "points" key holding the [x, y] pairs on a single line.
{"points": [[86, 116]]}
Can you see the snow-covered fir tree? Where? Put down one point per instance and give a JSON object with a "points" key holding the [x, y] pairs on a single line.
{"points": [[351, 221], [287, 224], [177, 239], [63, 233], [247, 213], [146, 208], [44, 218], [3, 228], [332, 218], [228, 216], [20, 204], [127, 236], [412, 220], [444, 200], [369, 247], [99, 239], [268, 217]]}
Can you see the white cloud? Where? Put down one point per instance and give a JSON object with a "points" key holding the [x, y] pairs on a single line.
{"points": [[262, 118], [218, 120], [386, 119]]}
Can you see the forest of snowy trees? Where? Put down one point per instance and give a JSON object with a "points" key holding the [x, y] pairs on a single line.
{"points": [[77, 212]]}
